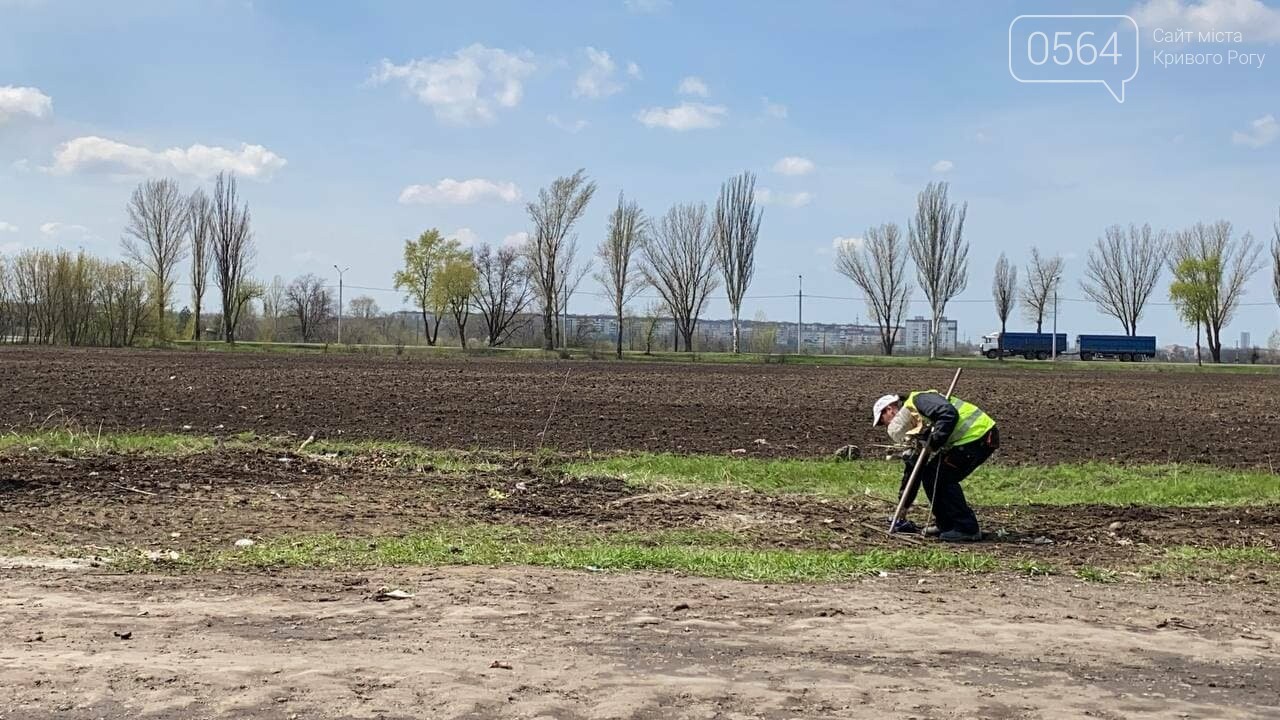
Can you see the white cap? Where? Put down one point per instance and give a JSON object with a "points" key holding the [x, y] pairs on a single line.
{"points": [[884, 402]]}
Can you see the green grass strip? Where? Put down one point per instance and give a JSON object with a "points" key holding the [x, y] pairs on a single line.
{"points": [[488, 545], [1167, 485]]}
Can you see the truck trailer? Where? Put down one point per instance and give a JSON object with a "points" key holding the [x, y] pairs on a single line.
{"points": [[1032, 346], [1125, 348]]}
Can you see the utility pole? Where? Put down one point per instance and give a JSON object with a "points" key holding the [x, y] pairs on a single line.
{"points": [[340, 272], [1055, 322], [800, 316]]}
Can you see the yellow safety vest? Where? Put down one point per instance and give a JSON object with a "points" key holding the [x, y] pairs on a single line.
{"points": [[971, 426]]}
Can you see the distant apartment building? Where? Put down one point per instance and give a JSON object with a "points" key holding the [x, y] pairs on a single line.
{"points": [[917, 334]]}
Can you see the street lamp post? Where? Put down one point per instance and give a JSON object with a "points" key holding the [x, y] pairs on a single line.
{"points": [[340, 272]]}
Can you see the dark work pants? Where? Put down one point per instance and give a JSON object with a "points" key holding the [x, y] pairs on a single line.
{"points": [[941, 476]]}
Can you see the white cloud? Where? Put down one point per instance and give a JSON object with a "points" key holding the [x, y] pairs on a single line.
{"points": [[647, 6], [573, 126], [1254, 20], [466, 88], [10, 248], [942, 166], [1262, 131], [597, 79], [854, 244], [460, 192], [633, 71], [768, 197], [792, 165], [685, 116], [95, 154], [16, 101], [466, 237], [773, 109], [8, 227], [57, 231], [693, 85], [516, 239]]}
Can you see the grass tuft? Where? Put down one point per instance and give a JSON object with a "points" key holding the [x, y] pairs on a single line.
{"points": [[1171, 485]]}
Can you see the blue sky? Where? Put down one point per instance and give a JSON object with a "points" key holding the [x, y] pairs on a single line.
{"points": [[345, 119]]}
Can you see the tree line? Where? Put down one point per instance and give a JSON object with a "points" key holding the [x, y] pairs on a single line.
{"points": [[1209, 263], [684, 255]]}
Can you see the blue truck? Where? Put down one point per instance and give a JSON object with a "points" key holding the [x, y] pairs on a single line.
{"points": [[1032, 346], [1125, 348]]}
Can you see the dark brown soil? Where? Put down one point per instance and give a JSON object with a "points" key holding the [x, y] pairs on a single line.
{"points": [[1221, 419], [209, 500]]}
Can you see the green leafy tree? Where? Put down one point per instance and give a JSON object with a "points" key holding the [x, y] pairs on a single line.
{"points": [[1193, 289], [423, 260], [454, 284]]}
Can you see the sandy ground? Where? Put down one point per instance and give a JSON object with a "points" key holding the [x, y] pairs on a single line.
{"points": [[588, 645]]}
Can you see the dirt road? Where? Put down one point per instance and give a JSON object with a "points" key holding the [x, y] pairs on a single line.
{"points": [[584, 645], [1046, 417]]}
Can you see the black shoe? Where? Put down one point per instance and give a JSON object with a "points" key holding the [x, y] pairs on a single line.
{"points": [[932, 531], [960, 536], [906, 527]]}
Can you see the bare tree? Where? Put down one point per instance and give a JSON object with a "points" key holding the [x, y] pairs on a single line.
{"points": [[627, 229], [309, 303], [200, 228], [940, 252], [568, 278], [1004, 290], [736, 233], [1122, 272], [678, 260], [1043, 276], [273, 302], [155, 236], [554, 214], [502, 291], [878, 266], [1275, 263], [232, 243], [1226, 265], [363, 307]]}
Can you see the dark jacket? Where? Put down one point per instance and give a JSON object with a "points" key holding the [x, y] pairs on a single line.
{"points": [[942, 417]]}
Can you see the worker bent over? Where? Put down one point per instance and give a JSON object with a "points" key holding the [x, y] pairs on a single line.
{"points": [[958, 437]]}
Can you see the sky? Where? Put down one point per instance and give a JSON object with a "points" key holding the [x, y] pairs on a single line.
{"points": [[353, 126]]}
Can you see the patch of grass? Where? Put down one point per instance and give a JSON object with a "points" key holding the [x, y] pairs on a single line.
{"points": [[1213, 563], [70, 441], [1090, 573], [1170, 485], [497, 545]]}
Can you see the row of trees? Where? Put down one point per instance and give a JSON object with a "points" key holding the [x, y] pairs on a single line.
{"points": [[61, 297], [935, 243], [1209, 264], [164, 226], [684, 255], [678, 255]]}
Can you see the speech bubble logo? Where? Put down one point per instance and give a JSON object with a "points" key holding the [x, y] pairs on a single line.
{"points": [[1099, 49]]}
